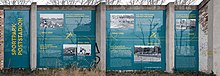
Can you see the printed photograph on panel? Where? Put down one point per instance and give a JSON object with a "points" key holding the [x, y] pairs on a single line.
{"points": [[84, 49], [185, 23], [192, 23], [147, 53], [181, 23], [51, 20], [178, 25], [122, 21], [69, 49]]}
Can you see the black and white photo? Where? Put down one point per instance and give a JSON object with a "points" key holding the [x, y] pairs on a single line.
{"points": [[147, 53], [192, 23], [69, 49], [51, 20], [122, 21], [84, 49], [185, 23]]}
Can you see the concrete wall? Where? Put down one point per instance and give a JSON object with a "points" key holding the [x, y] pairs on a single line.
{"points": [[170, 37], [33, 34], [15, 7], [135, 7], [1, 39], [203, 36], [186, 7], [65, 7], [209, 36], [101, 34], [209, 50], [213, 36]]}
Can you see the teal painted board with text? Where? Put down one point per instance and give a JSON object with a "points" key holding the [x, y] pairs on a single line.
{"points": [[16, 37], [66, 38], [136, 40], [186, 40]]}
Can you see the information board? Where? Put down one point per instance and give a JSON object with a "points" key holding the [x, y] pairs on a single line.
{"points": [[186, 40], [136, 40], [16, 37], [66, 38]]}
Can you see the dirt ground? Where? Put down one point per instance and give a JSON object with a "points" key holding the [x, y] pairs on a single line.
{"points": [[93, 72]]}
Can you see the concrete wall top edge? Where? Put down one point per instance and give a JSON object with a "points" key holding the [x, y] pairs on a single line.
{"points": [[136, 7], [186, 7], [15, 7], [66, 7], [48, 7]]}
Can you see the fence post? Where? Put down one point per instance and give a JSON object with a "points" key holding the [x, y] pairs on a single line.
{"points": [[101, 33], [33, 36], [170, 37]]}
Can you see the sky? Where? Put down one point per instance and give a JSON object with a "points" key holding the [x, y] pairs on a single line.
{"points": [[43, 2]]}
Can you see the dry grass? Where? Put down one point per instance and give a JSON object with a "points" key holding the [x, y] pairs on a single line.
{"points": [[70, 72], [52, 72], [92, 72], [156, 73]]}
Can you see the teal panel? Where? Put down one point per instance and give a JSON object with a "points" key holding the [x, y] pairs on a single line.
{"points": [[16, 45], [186, 40], [66, 38], [136, 40]]}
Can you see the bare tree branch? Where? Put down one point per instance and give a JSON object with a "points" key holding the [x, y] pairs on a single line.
{"points": [[113, 2], [72, 2], [94, 2], [185, 2], [15, 2]]}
